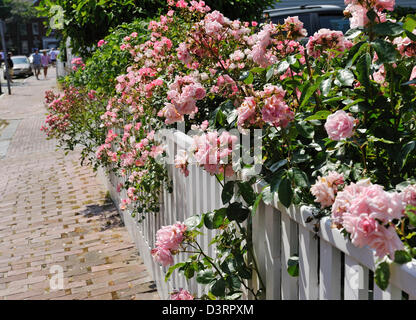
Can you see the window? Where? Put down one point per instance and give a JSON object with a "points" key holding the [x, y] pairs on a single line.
{"points": [[36, 44], [25, 47], [20, 60], [35, 28], [23, 29], [334, 22]]}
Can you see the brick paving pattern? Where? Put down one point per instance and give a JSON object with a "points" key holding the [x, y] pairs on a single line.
{"points": [[53, 212]]}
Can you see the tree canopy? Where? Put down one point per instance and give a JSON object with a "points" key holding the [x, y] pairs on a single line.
{"points": [[21, 10], [85, 22]]}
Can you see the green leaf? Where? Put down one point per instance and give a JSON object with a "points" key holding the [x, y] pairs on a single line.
{"points": [[247, 192], [276, 180], [386, 51], [410, 23], [209, 220], [293, 266], [249, 79], [205, 276], [382, 275], [267, 195], [355, 52], [345, 77], [308, 91], [388, 29], [234, 282], [189, 271], [363, 67], [218, 288], [234, 296], [227, 192], [300, 156], [193, 222], [244, 75], [173, 268], [325, 86], [353, 33], [219, 217], [300, 178], [282, 67], [409, 82], [410, 212], [256, 203], [257, 70], [410, 35], [320, 115], [236, 212], [305, 129], [277, 165], [402, 257], [269, 73], [215, 219], [404, 153], [285, 192]]}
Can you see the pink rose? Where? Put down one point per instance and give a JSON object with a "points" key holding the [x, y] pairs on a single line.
{"points": [[162, 256], [413, 76], [170, 237], [409, 195], [385, 4], [182, 294], [101, 43], [246, 111], [181, 162], [326, 188], [340, 125], [345, 198], [366, 231]]}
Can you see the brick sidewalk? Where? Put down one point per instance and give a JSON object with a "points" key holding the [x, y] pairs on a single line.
{"points": [[53, 212]]}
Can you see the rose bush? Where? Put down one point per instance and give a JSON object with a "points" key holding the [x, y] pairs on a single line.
{"points": [[336, 114]]}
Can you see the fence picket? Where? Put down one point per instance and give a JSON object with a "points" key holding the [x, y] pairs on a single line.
{"points": [[308, 265], [391, 293], [289, 247], [356, 280], [272, 255], [329, 272]]}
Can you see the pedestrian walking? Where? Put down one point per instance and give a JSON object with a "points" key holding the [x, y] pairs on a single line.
{"points": [[45, 60], [37, 62], [10, 65], [54, 54]]}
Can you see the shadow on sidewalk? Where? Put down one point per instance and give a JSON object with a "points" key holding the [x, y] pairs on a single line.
{"points": [[107, 214]]}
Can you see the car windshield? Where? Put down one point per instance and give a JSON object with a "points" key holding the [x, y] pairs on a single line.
{"points": [[19, 60], [334, 22]]}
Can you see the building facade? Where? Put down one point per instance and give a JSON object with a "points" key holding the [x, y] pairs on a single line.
{"points": [[22, 38]]}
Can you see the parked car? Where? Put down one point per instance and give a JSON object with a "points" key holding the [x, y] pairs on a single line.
{"points": [[21, 67], [313, 17]]}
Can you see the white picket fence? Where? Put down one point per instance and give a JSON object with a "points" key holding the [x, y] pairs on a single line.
{"points": [[330, 267]]}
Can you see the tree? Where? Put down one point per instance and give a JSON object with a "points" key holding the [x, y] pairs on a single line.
{"points": [[88, 21], [17, 10]]}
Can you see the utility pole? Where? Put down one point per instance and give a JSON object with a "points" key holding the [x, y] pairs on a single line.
{"points": [[3, 41]]}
